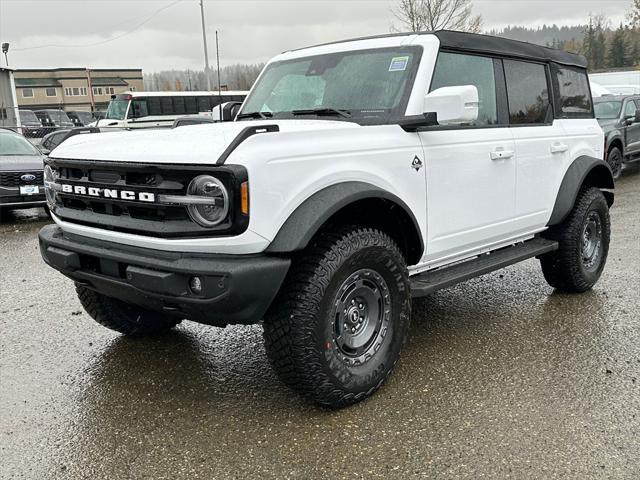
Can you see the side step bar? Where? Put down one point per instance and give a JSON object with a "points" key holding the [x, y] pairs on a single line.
{"points": [[429, 282]]}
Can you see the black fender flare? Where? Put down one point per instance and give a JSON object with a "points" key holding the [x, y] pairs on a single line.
{"points": [[313, 213], [613, 136], [584, 168]]}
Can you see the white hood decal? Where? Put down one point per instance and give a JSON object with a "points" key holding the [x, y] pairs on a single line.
{"points": [[193, 144]]}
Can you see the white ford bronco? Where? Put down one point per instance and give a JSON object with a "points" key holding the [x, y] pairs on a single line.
{"points": [[357, 175]]}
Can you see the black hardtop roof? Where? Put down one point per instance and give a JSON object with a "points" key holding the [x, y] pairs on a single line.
{"points": [[488, 44], [506, 47]]}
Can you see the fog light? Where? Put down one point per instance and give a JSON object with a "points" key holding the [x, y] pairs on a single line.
{"points": [[195, 284]]}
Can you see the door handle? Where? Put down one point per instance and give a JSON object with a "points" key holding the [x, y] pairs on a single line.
{"points": [[559, 148], [502, 154]]}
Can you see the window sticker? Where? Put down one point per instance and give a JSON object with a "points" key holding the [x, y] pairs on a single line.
{"points": [[399, 64]]}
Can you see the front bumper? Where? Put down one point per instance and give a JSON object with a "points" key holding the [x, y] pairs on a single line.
{"points": [[236, 289], [10, 198]]}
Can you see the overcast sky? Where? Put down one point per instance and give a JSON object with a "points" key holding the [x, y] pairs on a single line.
{"points": [[166, 34]]}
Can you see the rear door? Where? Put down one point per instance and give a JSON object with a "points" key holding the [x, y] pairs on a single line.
{"points": [[470, 169], [541, 150]]}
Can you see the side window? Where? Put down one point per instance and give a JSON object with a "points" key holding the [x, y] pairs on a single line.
{"points": [[191, 105], [204, 104], [166, 104], [527, 93], [574, 97], [454, 70], [630, 109], [153, 104], [178, 106]]}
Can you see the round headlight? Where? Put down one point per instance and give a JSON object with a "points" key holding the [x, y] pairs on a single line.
{"points": [[49, 186], [212, 202]]}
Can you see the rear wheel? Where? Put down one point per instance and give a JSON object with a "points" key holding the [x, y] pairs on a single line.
{"points": [[337, 328], [584, 245], [122, 317], [615, 160]]}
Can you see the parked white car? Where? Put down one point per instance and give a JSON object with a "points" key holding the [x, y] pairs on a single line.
{"points": [[358, 175]]}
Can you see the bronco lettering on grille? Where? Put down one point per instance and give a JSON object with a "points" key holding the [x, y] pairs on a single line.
{"points": [[109, 193]]}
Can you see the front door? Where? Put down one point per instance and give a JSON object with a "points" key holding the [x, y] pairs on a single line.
{"points": [[633, 130], [470, 170]]}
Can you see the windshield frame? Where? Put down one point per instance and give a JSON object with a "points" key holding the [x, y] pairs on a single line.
{"points": [[612, 100], [389, 118]]}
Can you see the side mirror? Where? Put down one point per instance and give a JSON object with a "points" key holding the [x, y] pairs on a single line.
{"points": [[226, 112], [453, 105]]}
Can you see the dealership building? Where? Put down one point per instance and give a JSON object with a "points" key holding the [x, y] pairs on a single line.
{"points": [[73, 88]]}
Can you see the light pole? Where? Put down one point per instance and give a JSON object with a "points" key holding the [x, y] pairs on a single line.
{"points": [[207, 72], [5, 49]]}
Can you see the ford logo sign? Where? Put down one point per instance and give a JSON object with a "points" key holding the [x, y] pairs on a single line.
{"points": [[28, 177]]}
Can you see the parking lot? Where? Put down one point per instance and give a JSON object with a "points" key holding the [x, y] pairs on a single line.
{"points": [[502, 378]]}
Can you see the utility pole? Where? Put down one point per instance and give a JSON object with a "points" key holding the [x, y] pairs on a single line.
{"points": [[218, 68], [207, 71]]}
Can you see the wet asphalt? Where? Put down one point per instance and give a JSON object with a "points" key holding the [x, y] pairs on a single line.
{"points": [[501, 378]]}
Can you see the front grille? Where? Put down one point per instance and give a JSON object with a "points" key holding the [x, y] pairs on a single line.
{"points": [[138, 217], [13, 179]]}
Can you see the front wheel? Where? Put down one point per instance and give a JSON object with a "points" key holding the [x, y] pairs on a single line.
{"points": [[336, 330], [583, 240]]}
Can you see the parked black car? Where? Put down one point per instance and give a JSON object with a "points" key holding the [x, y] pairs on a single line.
{"points": [[54, 119], [21, 173], [619, 117], [31, 126], [80, 118]]}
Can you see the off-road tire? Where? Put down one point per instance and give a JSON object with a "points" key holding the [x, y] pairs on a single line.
{"points": [[565, 269], [129, 320], [300, 327], [615, 160]]}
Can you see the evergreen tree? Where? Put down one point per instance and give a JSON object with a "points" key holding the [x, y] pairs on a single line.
{"points": [[618, 54]]}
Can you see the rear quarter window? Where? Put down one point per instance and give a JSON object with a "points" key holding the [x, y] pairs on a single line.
{"points": [[573, 95]]}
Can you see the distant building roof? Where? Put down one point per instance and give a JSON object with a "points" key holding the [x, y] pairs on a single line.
{"points": [[109, 81], [37, 82]]}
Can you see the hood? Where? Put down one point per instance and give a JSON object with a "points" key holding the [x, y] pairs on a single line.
{"points": [[196, 144], [19, 163], [608, 125]]}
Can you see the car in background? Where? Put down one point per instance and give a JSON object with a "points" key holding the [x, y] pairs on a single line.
{"points": [[80, 118], [619, 118], [53, 139], [54, 119], [21, 173], [31, 126]]}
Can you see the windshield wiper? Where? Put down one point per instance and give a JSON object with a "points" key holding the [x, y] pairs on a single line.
{"points": [[331, 112], [260, 115]]}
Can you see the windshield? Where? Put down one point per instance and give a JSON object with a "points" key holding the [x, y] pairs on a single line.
{"points": [[117, 109], [15, 145], [85, 117], [27, 116], [608, 110], [369, 84], [58, 117]]}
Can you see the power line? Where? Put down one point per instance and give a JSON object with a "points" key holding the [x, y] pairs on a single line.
{"points": [[102, 42]]}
